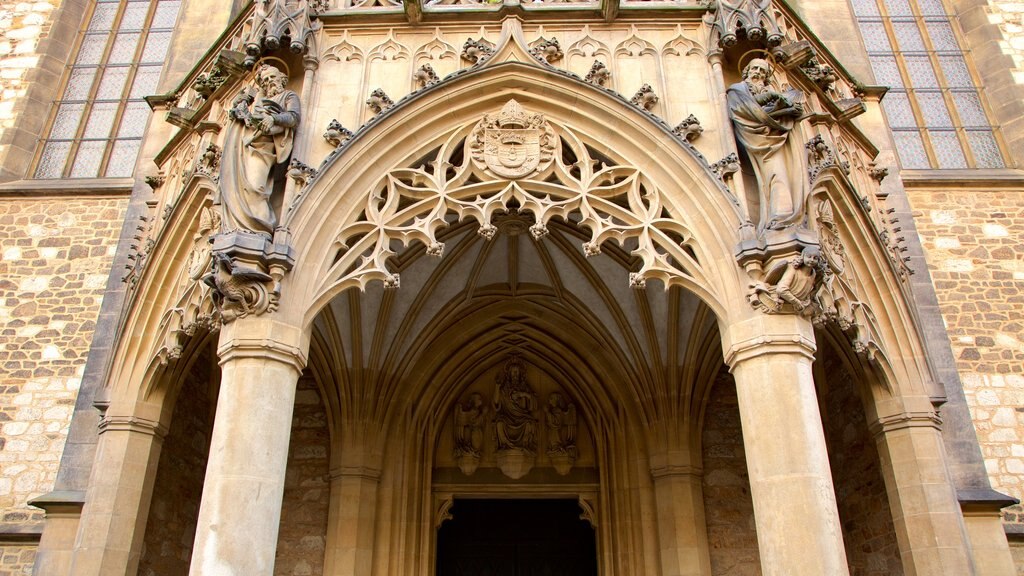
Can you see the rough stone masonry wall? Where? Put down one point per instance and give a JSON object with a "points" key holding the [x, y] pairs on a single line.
{"points": [[55, 255], [22, 26], [974, 243], [868, 531], [302, 541], [728, 507]]}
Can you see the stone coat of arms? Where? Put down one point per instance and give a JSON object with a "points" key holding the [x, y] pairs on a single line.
{"points": [[513, 143]]}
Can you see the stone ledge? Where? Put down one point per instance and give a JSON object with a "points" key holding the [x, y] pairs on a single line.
{"points": [[983, 500], [979, 179], [11, 532], [60, 501], [68, 187]]}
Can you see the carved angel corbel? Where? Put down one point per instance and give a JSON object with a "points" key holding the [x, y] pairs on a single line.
{"points": [[790, 284]]}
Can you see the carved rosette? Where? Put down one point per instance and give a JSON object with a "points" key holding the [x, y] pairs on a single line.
{"points": [[513, 144]]}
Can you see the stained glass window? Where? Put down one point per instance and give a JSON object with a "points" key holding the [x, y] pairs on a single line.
{"points": [[96, 128], [937, 118]]}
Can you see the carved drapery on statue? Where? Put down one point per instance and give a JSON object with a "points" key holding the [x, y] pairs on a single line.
{"points": [[258, 140], [468, 430], [560, 419], [764, 121], [515, 423]]}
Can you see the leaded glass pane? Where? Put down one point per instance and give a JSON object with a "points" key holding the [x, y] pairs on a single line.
{"points": [[92, 49], [908, 36], [947, 149], [156, 47], [876, 39], [146, 79], [123, 51], [133, 122], [122, 158], [897, 109], [102, 17], [79, 83], [954, 68], [910, 149], [51, 164], [101, 119], [134, 16], [112, 84], [898, 7], [985, 150], [865, 8], [87, 161], [65, 124], [941, 34], [886, 71], [933, 108], [921, 73], [166, 13], [968, 106], [931, 7]]}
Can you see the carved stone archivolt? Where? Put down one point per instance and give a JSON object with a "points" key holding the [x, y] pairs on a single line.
{"points": [[514, 423]]}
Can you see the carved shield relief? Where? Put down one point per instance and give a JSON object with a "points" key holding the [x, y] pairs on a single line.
{"points": [[512, 144]]}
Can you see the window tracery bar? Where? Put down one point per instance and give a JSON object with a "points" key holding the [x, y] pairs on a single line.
{"points": [[934, 110], [97, 125]]}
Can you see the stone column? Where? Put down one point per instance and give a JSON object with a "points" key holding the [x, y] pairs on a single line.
{"points": [[351, 523], [681, 525], [926, 513], [798, 530], [236, 534], [112, 526]]}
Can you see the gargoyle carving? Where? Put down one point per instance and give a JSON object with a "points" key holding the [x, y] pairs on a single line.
{"points": [[238, 291]]}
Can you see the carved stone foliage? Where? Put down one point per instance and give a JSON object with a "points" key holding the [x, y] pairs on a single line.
{"points": [[644, 98], [477, 51], [547, 50], [274, 20], [379, 101], [425, 76], [336, 134], [821, 156], [512, 144], [487, 169], [689, 129], [599, 74]]}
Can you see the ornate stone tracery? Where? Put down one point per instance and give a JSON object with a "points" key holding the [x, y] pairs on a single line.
{"points": [[517, 161]]}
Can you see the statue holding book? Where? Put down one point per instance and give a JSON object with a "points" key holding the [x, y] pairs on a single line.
{"points": [[256, 151]]}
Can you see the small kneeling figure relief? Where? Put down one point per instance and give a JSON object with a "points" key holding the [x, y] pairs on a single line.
{"points": [[469, 433], [560, 417], [791, 284]]}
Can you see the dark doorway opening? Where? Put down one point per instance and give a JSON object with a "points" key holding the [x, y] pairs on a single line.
{"points": [[516, 538]]}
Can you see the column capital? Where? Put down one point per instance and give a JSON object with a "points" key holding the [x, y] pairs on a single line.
{"points": [[902, 420], [263, 339], [761, 345], [132, 424]]}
